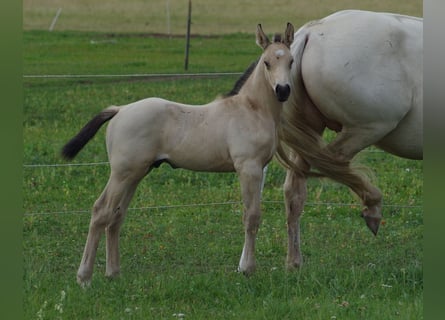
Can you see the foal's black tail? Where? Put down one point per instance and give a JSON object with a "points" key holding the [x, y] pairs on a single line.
{"points": [[72, 148]]}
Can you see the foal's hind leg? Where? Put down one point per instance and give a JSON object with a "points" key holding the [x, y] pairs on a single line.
{"points": [[108, 213], [113, 229], [295, 193]]}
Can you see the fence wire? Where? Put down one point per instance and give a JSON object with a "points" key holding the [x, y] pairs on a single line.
{"points": [[212, 204], [159, 207], [133, 75], [55, 165], [167, 207]]}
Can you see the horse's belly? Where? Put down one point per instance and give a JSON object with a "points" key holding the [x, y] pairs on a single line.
{"points": [[200, 152], [406, 140]]}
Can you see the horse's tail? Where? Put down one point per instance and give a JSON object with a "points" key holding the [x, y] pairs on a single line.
{"points": [[72, 148], [296, 135]]}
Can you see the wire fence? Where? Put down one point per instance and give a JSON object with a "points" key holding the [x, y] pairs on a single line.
{"points": [[213, 204], [195, 205], [133, 75], [53, 165], [158, 207]]}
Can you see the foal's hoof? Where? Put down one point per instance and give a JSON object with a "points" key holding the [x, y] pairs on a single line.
{"points": [[246, 272], [113, 274], [84, 276], [295, 264], [83, 282]]}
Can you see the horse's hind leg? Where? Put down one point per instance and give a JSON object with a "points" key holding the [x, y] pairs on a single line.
{"points": [[295, 194], [346, 145], [108, 213]]}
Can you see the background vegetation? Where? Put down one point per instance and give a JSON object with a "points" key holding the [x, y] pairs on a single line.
{"points": [[210, 17], [181, 241]]}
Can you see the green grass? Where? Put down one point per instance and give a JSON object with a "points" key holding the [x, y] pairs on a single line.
{"points": [[182, 259], [97, 53]]}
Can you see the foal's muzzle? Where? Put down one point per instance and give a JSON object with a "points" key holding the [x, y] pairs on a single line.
{"points": [[282, 92]]}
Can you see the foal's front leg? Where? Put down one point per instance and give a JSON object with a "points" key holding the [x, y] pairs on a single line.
{"points": [[250, 175]]}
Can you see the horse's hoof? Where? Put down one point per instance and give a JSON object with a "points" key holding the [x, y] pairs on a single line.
{"points": [[372, 223]]}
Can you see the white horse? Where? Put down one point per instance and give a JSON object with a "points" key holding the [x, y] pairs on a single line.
{"points": [[358, 73], [234, 133]]}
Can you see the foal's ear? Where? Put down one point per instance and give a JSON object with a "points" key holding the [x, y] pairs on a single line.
{"points": [[261, 39], [289, 35]]}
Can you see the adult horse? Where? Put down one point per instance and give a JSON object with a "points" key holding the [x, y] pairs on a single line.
{"points": [[358, 73], [235, 133]]}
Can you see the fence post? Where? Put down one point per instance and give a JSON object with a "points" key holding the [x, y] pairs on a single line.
{"points": [[53, 23], [167, 3], [187, 45]]}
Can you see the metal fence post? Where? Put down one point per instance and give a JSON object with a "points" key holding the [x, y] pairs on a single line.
{"points": [[187, 45]]}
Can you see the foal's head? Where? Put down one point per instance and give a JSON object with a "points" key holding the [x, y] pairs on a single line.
{"points": [[277, 60]]}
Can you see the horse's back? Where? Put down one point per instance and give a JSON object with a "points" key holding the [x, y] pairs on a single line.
{"points": [[362, 67], [136, 118]]}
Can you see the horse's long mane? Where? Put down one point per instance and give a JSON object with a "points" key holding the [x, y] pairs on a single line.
{"points": [[242, 80]]}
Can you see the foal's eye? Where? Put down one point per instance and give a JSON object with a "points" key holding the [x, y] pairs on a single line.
{"points": [[267, 64], [290, 63]]}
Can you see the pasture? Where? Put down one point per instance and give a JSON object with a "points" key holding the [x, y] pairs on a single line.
{"points": [[183, 235]]}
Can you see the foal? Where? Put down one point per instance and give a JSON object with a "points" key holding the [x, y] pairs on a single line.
{"points": [[236, 133]]}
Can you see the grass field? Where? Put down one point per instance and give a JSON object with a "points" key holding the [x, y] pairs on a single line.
{"points": [[181, 241], [208, 16]]}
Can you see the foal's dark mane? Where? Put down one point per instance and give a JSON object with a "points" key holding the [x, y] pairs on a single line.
{"points": [[242, 80]]}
